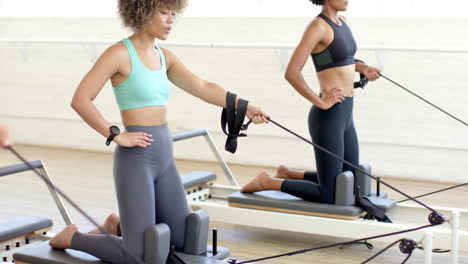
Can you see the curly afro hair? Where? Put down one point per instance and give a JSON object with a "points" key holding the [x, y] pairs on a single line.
{"points": [[317, 2], [137, 13]]}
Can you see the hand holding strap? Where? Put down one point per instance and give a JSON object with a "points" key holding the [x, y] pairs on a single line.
{"points": [[362, 78], [234, 120]]}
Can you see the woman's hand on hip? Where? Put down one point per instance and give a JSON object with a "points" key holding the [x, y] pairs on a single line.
{"points": [[330, 98], [133, 139], [256, 114]]}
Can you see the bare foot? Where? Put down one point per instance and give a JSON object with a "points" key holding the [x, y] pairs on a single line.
{"points": [[281, 172], [255, 185], [63, 239], [110, 225]]}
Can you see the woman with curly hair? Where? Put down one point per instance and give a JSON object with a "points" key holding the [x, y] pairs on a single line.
{"points": [[329, 41], [148, 186]]}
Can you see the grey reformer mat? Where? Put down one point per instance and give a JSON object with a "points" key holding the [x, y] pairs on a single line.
{"points": [[24, 225], [42, 253], [283, 202], [197, 177], [342, 209]]}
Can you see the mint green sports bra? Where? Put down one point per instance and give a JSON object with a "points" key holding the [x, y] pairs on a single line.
{"points": [[143, 87]]}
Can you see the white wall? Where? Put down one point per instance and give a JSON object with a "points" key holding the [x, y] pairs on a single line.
{"points": [[399, 135], [244, 8]]}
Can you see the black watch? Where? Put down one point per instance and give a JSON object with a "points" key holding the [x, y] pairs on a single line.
{"points": [[114, 131]]}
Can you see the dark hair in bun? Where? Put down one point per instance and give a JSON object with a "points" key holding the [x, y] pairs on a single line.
{"points": [[317, 2]]}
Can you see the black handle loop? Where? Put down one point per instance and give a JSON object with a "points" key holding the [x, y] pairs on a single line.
{"points": [[234, 121]]}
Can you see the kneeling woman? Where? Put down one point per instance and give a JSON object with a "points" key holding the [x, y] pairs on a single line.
{"points": [[148, 186], [329, 41]]}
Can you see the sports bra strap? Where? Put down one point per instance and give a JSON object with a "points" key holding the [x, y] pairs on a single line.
{"points": [[131, 49], [163, 58]]}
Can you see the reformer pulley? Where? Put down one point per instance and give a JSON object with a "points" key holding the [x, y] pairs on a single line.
{"points": [[436, 218], [407, 246]]}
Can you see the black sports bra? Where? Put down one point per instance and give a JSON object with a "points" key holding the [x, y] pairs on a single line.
{"points": [[341, 50]]}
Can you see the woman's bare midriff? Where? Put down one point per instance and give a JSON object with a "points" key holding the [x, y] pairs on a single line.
{"points": [[144, 116], [339, 77]]}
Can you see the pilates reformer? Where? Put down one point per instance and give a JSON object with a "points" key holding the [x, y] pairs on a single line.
{"points": [[25, 241], [226, 204], [292, 214]]}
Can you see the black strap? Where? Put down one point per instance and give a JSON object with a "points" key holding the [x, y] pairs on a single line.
{"points": [[362, 78], [234, 120], [373, 212], [362, 82]]}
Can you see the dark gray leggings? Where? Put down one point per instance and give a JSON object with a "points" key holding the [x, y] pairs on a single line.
{"points": [[149, 191], [332, 129]]}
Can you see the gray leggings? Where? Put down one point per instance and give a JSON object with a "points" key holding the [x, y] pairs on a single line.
{"points": [[149, 191]]}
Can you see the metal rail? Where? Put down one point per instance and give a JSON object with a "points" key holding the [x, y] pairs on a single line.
{"points": [[243, 45], [37, 164], [214, 149]]}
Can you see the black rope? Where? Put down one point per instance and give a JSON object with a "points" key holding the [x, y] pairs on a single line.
{"points": [[433, 105], [72, 203], [352, 165], [302, 251], [434, 192], [406, 259], [381, 251]]}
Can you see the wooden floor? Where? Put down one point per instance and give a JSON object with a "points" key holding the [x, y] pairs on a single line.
{"points": [[86, 177]]}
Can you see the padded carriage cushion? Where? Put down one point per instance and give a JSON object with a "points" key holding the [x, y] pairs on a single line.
{"points": [[283, 202], [22, 226], [196, 177], [363, 180], [42, 253], [157, 241], [344, 189], [196, 232]]}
